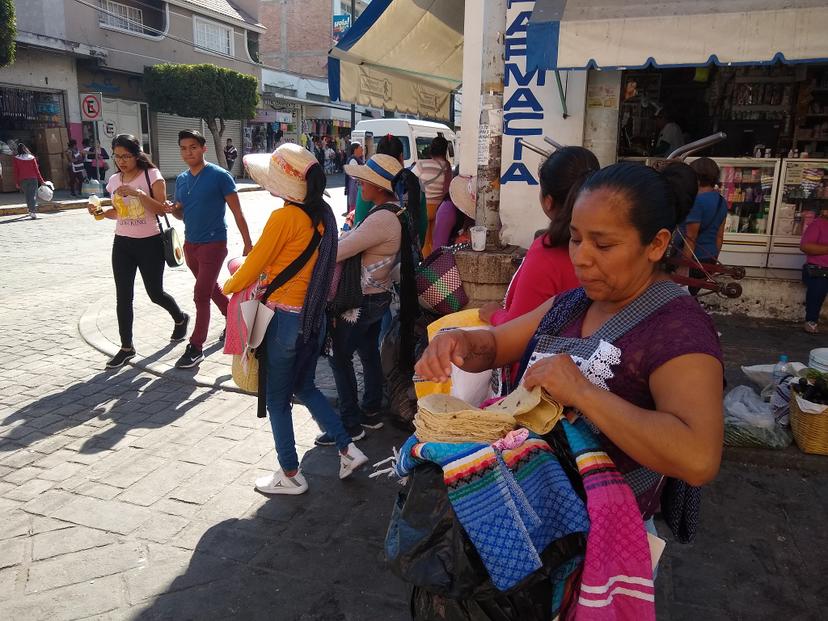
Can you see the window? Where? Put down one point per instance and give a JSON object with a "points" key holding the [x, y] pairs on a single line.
{"points": [[280, 90], [121, 16], [315, 97], [213, 36], [406, 147], [424, 148]]}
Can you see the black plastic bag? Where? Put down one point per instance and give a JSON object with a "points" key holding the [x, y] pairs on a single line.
{"points": [[427, 547]]}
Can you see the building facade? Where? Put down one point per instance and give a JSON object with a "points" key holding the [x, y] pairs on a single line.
{"points": [[299, 34], [69, 47]]}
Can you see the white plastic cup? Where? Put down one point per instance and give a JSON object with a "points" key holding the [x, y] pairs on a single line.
{"points": [[478, 238]]}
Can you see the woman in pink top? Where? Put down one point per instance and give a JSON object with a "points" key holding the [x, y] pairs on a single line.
{"points": [[547, 270], [27, 177], [138, 194], [815, 273]]}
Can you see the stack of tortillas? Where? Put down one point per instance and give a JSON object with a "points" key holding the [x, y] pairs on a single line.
{"points": [[443, 418]]}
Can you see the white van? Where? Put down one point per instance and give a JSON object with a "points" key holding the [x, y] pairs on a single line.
{"points": [[416, 136]]}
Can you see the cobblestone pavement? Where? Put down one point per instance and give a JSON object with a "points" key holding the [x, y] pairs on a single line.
{"points": [[129, 495]]}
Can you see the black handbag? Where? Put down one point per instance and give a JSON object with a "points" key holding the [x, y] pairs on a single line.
{"points": [[171, 241], [173, 247]]}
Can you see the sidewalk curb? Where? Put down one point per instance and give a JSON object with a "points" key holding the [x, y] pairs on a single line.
{"points": [[53, 207], [88, 328]]}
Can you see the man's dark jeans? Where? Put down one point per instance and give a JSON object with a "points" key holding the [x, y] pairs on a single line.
{"points": [[361, 337]]}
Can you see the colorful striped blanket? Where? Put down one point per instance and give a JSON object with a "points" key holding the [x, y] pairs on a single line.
{"points": [[617, 579], [511, 503]]}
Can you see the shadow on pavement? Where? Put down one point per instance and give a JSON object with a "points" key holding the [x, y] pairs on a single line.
{"points": [[314, 557], [130, 399], [15, 219]]}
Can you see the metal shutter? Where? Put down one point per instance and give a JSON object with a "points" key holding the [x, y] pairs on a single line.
{"points": [[168, 157]]}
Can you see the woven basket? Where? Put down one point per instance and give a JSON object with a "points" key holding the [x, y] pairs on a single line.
{"points": [[810, 430], [245, 370]]}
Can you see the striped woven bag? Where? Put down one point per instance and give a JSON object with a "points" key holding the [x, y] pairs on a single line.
{"points": [[439, 286]]}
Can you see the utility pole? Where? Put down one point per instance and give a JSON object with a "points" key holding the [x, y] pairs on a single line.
{"points": [[353, 107]]}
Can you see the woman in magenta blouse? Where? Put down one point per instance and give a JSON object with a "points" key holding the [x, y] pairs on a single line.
{"points": [[547, 270], [815, 272]]}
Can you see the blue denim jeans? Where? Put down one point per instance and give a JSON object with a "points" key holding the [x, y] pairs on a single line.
{"points": [[281, 357], [363, 338], [817, 291]]}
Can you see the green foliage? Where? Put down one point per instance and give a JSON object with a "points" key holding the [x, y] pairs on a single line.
{"points": [[204, 91], [8, 32]]}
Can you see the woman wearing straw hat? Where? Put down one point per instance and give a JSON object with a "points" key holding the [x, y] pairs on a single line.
{"points": [[456, 213], [294, 336], [378, 240]]}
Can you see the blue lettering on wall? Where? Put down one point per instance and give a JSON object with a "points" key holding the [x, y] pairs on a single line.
{"points": [[508, 130], [518, 172], [519, 24], [523, 98], [523, 113], [523, 79]]}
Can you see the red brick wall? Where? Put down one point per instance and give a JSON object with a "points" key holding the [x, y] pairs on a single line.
{"points": [[270, 42], [308, 40]]}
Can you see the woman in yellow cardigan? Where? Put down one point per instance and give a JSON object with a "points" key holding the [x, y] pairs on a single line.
{"points": [[294, 336]]}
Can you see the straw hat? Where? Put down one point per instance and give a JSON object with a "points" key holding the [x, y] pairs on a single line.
{"points": [[380, 171], [463, 192], [282, 172]]}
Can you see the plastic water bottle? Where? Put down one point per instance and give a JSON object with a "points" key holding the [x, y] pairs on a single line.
{"points": [[780, 370], [96, 203]]}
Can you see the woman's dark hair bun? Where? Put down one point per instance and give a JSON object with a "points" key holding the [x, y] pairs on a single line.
{"points": [[684, 184], [657, 200]]}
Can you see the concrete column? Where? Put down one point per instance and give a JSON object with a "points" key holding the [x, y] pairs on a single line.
{"points": [[482, 117], [601, 123]]}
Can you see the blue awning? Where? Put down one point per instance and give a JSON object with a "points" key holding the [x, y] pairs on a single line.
{"points": [[402, 55], [626, 34]]}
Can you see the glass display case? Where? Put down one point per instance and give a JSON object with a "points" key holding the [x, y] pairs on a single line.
{"points": [[749, 186], [802, 193]]}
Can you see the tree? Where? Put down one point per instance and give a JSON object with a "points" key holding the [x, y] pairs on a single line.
{"points": [[8, 32], [213, 94]]}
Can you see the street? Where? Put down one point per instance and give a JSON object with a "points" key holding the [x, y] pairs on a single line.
{"points": [[129, 494]]}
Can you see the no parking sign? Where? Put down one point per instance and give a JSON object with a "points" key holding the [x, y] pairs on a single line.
{"points": [[91, 106]]}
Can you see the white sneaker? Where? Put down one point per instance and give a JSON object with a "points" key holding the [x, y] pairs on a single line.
{"points": [[351, 462], [811, 327], [280, 483]]}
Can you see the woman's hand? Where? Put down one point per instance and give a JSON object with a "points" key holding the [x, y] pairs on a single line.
{"points": [[445, 349], [91, 209], [126, 190], [561, 378], [487, 310]]}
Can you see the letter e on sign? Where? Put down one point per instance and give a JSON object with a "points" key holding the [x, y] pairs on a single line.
{"points": [[91, 106]]}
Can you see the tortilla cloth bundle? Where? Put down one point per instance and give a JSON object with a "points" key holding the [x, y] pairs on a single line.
{"points": [[443, 418]]}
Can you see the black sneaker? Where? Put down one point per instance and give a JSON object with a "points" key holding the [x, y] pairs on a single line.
{"points": [[180, 329], [120, 359], [370, 420], [324, 439], [192, 356], [222, 335]]}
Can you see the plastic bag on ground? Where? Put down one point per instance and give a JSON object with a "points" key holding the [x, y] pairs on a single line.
{"points": [[762, 374], [750, 422]]}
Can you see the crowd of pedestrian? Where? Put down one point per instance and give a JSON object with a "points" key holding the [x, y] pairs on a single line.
{"points": [[591, 317]]}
